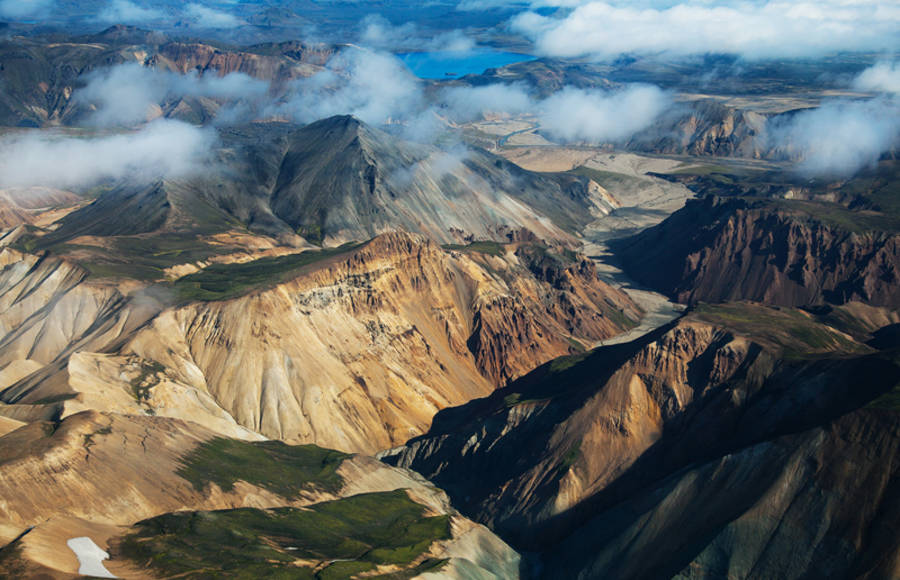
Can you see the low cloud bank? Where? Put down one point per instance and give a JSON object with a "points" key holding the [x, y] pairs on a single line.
{"points": [[883, 77], [374, 87], [125, 12], [124, 94], [839, 138], [206, 17], [160, 149], [378, 32], [761, 29], [598, 116], [16, 9]]}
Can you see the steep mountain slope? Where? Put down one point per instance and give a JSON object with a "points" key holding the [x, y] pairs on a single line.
{"points": [[34, 205], [47, 312], [110, 471], [354, 348], [782, 252], [707, 447], [361, 351], [338, 180]]}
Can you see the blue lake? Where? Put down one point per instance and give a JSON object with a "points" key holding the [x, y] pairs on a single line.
{"points": [[449, 64]]}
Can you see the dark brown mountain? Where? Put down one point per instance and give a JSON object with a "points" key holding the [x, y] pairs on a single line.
{"points": [[784, 252], [740, 441], [337, 180]]}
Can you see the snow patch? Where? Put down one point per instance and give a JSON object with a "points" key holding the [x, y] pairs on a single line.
{"points": [[90, 557]]}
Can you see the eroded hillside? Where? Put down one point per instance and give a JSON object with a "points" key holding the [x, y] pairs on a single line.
{"points": [[355, 351]]}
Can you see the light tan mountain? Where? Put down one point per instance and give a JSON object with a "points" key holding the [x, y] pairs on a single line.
{"points": [[34, 205], [94, 474], [356, 352]]}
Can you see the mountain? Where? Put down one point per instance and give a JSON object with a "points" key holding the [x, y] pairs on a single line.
{"points": [[34, 205], [785, 252], [736, 441], [41, 76], [354, 348], [115, 477], [706, 128], [338, 180]]}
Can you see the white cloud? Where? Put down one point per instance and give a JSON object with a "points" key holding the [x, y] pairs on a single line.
{"points": [[373, 87], [123, 11], [601, 116], [839, 138], [775, 28], [124, 94], [206, 17], [883, 77], [16, 9], [469, 103], [377, 32], [160, 149]]}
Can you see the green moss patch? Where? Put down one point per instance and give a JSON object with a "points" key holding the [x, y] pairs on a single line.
{"points": [[479, 247], [331, 540], [225, 281], [796, 333], [273, 465]]}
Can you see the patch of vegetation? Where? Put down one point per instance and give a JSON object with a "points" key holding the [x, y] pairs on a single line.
{"points": [[480, 247], [607, 179], [794, 332], [837, 216], [142, 258], [571, 456], [575, 345], [354, 534], [12, 563], [89, 437], [225, 281], [563, 363], [49, 428], [344, 569], [273, 465], [890, 401], [146, 380], [312, 234]]}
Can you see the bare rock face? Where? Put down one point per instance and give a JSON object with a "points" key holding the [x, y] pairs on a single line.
{"points": [[709, 129], [360, 353], [709, 447], [279, 66], [777, 252]]}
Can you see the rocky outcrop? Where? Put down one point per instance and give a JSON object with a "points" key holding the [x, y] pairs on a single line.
{"points": [[708, 128], [620, 463], [279, 64], [789, 253]]}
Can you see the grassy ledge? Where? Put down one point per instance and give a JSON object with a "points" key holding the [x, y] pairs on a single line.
{"points": [[283, 469], [225, 281], [328, 541]]}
